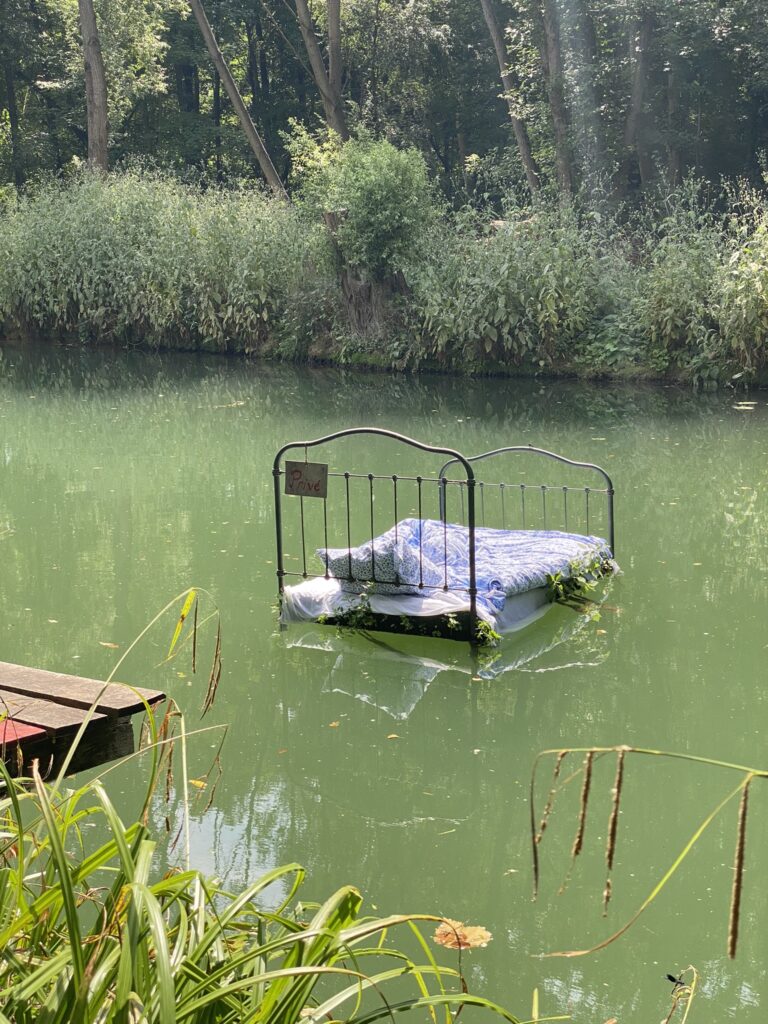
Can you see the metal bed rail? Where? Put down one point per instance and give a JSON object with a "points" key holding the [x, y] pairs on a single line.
{"points": [[455, 458], [539, 493]]}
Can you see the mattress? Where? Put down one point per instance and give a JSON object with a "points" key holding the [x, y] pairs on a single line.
{"points": [[417, 555], [405, 570]]}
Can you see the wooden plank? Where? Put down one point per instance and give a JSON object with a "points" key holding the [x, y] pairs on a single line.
{"points": [[75, 691], [54, 718], [12, 732], [104, 740], [108, 740]]}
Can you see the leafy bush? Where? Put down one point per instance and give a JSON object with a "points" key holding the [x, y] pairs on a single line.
{"points": [[743, 293], [678, 287], [672, 308], [382, 196], [137, 257], [527, 289]]}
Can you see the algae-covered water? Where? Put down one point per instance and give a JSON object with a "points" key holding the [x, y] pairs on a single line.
{"points": [[125, 478]]}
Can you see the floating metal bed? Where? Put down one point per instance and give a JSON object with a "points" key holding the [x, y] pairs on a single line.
{"points": [[316, 503]]}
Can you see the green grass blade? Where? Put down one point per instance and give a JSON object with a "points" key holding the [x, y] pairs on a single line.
{"points": [[162, 972], [442, 1000], [327, 1008], [65, 880]]}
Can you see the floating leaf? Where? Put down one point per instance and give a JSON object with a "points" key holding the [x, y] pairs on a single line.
{"points": [[393, 736], [456, 935], [333, 725], [198, 783], [107, 643]]}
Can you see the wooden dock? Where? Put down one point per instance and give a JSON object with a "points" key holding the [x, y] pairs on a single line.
{"points": [[40, 713]]}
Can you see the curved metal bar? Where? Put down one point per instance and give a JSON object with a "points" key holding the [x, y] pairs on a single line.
{"points": [[530, 449], [454, 457]]}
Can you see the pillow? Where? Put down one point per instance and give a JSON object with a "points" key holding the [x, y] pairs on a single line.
{"points": [[396, 566]]}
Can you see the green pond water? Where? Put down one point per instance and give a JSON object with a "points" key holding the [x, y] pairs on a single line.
{"points": [[126, 478]]}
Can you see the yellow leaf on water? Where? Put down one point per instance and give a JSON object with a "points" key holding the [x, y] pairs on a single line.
{"points": [[393, 736], [198, 783], [107, 643], [601, 632], [455, 935], [333, 725]]}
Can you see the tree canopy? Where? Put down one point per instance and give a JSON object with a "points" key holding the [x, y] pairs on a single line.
{"points": [[609, 94]]}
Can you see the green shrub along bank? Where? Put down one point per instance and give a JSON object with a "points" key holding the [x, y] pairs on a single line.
{"points": [[142, 259], [677, 287]]}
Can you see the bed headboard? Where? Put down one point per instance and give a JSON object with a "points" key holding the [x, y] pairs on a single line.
{"points": [[520, 503], [341, 502]]}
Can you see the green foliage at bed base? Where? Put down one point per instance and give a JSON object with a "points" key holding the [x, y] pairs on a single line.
{"points": [[573, 588], [453, 626]]}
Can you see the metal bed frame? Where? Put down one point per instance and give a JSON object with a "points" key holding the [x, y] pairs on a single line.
{"points": [[456, 473]]}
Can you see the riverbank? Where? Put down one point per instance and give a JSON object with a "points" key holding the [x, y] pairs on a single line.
{"points": [[142, 260]]}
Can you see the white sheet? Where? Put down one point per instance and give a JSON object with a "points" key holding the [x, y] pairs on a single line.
{"points": [[314, 598]]}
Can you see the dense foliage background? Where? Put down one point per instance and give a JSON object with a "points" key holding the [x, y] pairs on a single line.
{"points": [[644, 88], [573, 184]]}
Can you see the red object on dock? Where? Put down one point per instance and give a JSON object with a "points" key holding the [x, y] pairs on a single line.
{"points": [[12, 732], [41, 713]]}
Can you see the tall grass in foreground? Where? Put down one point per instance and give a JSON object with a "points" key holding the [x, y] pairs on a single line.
{"points": [[105, 934], [97, 931]]}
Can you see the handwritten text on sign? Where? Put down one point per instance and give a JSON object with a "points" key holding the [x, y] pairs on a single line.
{"points": [[307, 479]]}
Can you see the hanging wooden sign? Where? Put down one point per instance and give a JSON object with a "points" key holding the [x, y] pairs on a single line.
{"points": [[307, 479]]}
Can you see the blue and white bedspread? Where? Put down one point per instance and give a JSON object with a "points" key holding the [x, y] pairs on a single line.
{"points": [[434, 554]]}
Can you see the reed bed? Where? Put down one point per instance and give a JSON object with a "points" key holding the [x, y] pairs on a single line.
{"points": [[585, 773]]}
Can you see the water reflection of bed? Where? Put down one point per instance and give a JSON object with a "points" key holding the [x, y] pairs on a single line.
{"points": [[396, 676]]}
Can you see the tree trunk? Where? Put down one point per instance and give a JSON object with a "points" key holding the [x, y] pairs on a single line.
{"points": [[188, 88], [217, 124], [586, 119], [17, 162], [674, 162], [634, 144], [251, 71], [552, 62], [258, 147], [334, 45], [95, 88], [374, 71], [371, 301], [530, 166], [330, 96], [461, 147]]}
